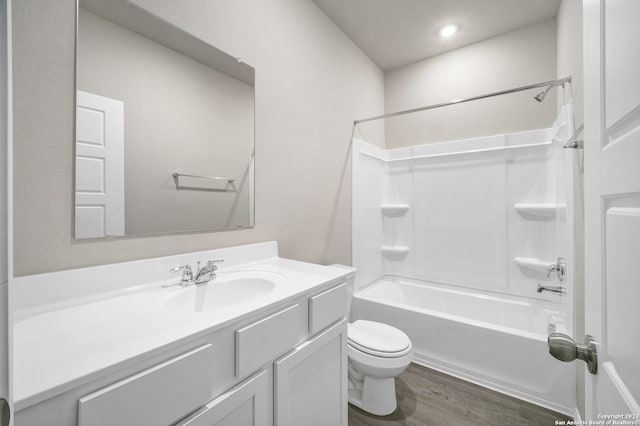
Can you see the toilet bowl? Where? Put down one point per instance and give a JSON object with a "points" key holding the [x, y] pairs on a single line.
{"points": [[377, 353]]}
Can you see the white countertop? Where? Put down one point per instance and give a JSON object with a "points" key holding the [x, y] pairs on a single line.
{"points": [[56, 347]]}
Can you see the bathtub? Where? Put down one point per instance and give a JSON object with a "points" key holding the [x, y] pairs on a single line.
{"points": [[497, 342]]}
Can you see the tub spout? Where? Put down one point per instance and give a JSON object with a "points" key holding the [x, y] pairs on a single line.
{"points": [[557, 289]]}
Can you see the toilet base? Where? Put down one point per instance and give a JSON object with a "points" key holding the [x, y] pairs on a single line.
{"points": [[374, 395]]}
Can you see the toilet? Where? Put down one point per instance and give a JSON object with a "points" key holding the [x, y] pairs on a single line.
{"points": [[377, 354]]}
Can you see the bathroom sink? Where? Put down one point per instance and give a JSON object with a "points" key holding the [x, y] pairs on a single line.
{"points": [[227, 290]]}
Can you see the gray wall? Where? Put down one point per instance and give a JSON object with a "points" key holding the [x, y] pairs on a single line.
{"points": [[311, 82], [179, 115], [513, 59]]}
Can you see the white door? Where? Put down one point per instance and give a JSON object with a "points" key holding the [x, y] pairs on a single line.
{"points": [[99, 166], [612, 206]]}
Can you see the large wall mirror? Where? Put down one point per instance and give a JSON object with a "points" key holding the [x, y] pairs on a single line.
{"points": [[164, 128]]}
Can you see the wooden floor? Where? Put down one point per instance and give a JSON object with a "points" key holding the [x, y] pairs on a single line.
{"points": [[428, 397]]}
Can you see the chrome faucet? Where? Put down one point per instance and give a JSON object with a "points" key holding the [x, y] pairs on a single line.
{"points": [[207, 272], [202, 275], [553, 289]]}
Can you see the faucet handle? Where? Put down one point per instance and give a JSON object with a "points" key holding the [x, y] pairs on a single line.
{"points": [[212, 263], [559, 268], [187, 273]]}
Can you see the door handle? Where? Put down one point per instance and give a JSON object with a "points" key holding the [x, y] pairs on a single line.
{"points": [[5, 412], [565, 349]]}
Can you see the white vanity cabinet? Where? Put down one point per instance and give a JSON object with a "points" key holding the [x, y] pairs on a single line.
{"points": [[285, 364], [309, 382]]}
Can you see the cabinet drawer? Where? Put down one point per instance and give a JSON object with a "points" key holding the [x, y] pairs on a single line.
{"points": [[244, 405], [159, 395], [266, 339], [327, 307]]}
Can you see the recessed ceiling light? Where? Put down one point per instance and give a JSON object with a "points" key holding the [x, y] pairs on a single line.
{"points": [[448, 31]]}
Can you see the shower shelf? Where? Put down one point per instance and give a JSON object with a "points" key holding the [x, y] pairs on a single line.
{"points": [[395, 252], [394, 210], [538, 211], [532, 267]]}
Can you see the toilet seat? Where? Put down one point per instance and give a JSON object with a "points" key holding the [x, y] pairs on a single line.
{"points": [[378, 339]]}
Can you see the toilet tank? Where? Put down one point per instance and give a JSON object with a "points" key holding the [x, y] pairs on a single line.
{"points": [[350, 280]]}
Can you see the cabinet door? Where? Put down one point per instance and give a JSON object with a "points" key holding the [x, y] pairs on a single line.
{"points": [[311, 382], [244, 405]]}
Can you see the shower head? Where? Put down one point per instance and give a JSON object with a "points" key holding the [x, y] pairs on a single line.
{"points": [[540, 96]]}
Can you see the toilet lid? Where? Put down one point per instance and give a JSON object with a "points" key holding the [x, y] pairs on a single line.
{"points": [[378, 339]]}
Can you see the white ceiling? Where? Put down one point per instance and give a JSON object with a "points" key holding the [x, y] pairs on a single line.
{"points": [[394, 33]]}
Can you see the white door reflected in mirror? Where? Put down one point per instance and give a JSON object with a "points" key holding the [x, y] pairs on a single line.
{"points": [[99, 166]]}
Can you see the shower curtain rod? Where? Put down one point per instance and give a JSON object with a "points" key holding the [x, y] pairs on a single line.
{"points": [[558, 82]]}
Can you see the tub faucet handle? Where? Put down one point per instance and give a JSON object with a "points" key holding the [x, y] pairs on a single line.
{"points": [[559, 268]]}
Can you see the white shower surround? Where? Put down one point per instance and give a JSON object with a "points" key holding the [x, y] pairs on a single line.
{"points": [[454, 216]]}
